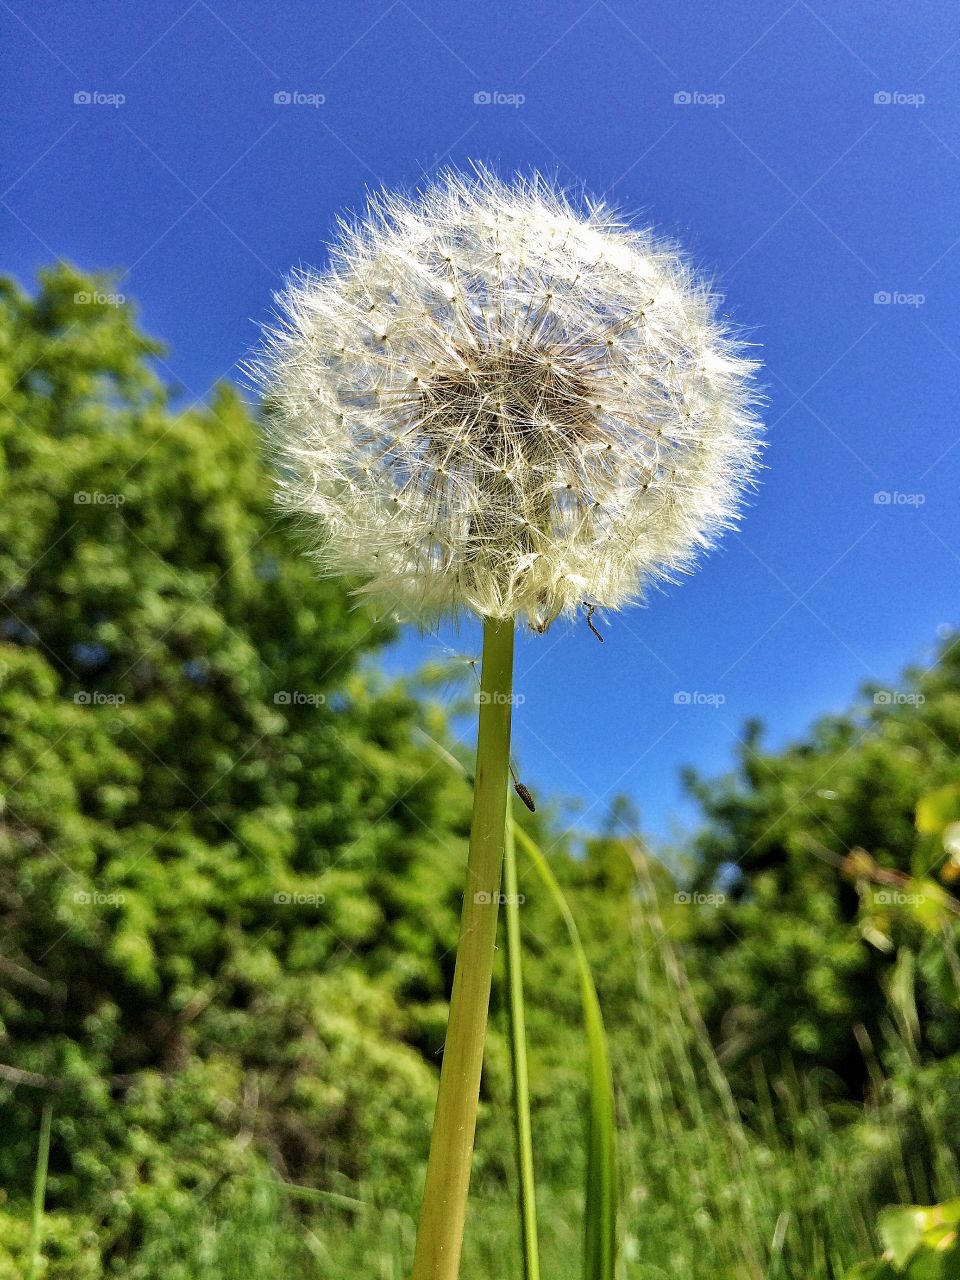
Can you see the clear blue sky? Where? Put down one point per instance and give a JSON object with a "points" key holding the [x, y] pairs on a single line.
{"points": [[784, 175]]}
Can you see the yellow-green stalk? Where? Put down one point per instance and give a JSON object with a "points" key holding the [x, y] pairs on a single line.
{"points": [[442, 1216]]}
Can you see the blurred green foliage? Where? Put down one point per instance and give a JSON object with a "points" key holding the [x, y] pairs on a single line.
{"points": [[836, 942], [226, 868], [921, 1244], [230, 864]]}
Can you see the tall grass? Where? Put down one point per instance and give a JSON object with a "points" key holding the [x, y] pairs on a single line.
{"points": [[750, 1196], [522, 1124], [709, 1194], [39, 1192], [601, 1186]]}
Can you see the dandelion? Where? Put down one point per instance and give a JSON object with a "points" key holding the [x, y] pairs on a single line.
{"points": [[495, 401]]}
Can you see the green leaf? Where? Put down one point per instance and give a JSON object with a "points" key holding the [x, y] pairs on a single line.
{"points": [[872, 1271], [901, 1230], [924, 1237], [518, 1050], [600, 1207], [39, 1190], [937, 809], [902, 994]]}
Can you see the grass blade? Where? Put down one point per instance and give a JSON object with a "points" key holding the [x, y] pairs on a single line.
{"points": [[39, 1189], [600, 1205], [518, 1052]]}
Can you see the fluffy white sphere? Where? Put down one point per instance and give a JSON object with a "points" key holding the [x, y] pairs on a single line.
{"points": [[494, 401]]}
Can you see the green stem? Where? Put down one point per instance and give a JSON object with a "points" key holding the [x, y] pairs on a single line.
{"points": [[444, 1209], [518, 1046], [39, 1191]]}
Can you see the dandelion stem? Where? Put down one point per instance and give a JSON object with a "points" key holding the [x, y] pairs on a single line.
{"points": [[442, 1216]]}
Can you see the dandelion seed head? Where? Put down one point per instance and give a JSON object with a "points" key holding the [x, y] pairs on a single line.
{"points": [[494, 400]]}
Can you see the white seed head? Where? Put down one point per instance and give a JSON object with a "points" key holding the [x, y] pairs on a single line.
{"points": [[496, 401]]}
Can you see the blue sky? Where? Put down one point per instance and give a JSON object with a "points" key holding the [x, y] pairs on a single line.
{"points": [[808, 156]]}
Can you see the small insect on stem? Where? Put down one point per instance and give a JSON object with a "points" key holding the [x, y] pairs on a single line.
{"points": [[523, 791], [591, 610], [524, 794]]}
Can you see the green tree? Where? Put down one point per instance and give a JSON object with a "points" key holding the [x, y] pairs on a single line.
{"points": [[227, 868], [799, 963]]}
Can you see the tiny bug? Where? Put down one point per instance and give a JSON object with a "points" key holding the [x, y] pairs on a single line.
{"points": [[591, 610], [524, 793]]}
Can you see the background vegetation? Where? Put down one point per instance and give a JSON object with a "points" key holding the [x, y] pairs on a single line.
{"points": [[230, 860]]}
